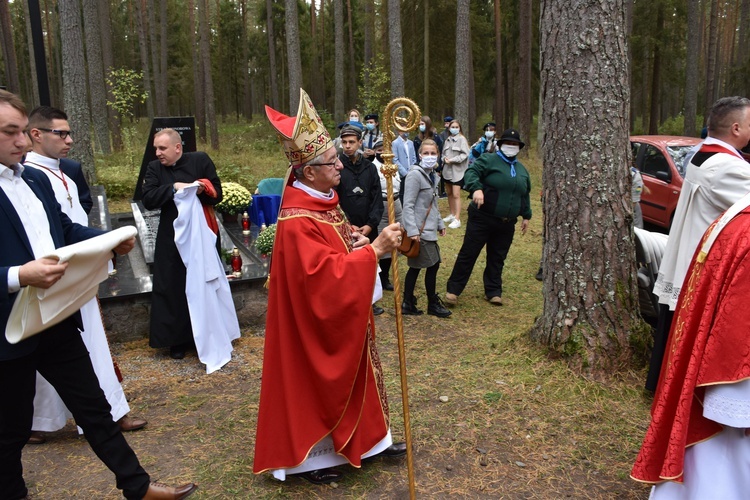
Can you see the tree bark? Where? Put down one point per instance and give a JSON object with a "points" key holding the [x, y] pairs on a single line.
{"points": [[156, 69], [208, 84], [74, 86], [338, 56], [108, 64], [32, 58], [352, 69], [163, 73], [9, 49], [653, 123], [426, 54], [369, 32], [590, 294], [200, 104], [272, 69], [143, 49], [395, 43], [524, 72], [713, 36], [97, 87], [499, 107], [294, 59], [691, 68], [463, 46], [247, 108]]}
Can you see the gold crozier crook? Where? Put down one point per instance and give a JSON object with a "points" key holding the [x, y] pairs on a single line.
{"points": [[401, 114]]}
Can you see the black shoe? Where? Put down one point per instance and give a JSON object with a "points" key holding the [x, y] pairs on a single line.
{"points": [[436, 307], [387, 286], [540, 274], [322, 476], [409, 307], [177, 352], [393, 451], [377, 310]]}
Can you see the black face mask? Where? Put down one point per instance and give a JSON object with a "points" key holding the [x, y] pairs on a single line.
{"points": [[379, 157]]}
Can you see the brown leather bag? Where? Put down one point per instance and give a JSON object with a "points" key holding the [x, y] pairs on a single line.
{"points": [[408, 246]]}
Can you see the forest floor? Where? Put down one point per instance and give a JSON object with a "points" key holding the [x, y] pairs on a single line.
{"points": [[514, 423]]}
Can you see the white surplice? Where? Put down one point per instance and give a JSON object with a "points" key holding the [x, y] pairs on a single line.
{"points": [[50, 413], [209, 298]]}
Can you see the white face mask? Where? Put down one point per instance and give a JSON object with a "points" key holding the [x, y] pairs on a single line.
{"points": [[454, 130], [354, 118], [489, 134], [429, 162], [422, 128], [510, 150]]}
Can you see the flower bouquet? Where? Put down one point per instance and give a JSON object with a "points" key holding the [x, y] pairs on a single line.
{"points": [[235, 200], [265, 240]]}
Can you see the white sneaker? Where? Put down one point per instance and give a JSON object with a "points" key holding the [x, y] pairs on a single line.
{"points": [[455, 224], [449, 219]]}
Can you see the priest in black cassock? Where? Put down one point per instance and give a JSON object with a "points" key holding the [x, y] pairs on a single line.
{"points": [[171, 171]]}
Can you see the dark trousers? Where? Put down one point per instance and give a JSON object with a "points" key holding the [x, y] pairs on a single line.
{"points": [[430, 281], [482, 229], [63, 360], [663, 325]]}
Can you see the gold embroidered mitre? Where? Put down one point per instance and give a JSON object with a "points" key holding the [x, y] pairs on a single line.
{"points": [[303, 137]]}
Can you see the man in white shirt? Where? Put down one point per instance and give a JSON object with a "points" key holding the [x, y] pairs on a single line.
{"points": [[51, 140], [33, 225], [716, 178]]}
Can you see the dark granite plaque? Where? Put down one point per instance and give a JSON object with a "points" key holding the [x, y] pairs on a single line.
{"points": [[147, 223], [184, 125]]}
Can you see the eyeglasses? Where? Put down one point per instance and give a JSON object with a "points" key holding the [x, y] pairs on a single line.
{"points": [[62, 133], [331, 164]]}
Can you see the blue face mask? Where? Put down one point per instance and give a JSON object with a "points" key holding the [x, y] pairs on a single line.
{"points": [[454, 131], [422, 128], [370, 126]]}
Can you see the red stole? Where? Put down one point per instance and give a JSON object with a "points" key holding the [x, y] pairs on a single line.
{"points": [[708, 344], [321, 371]]}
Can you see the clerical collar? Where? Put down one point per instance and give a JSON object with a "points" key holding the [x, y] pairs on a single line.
{"points": [[312, 192], [44, 161]]}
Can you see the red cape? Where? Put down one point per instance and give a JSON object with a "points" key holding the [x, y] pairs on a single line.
{"points": [[708, 344], [321, 371]]}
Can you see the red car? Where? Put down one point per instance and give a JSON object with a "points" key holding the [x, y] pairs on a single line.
{"points": [[660, 159]]}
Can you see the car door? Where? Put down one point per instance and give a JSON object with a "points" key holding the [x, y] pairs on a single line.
{"points": [[660, 194]]}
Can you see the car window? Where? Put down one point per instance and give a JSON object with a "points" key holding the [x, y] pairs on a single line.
{"points": [[654, 161], [678, 154], [634, 147]]}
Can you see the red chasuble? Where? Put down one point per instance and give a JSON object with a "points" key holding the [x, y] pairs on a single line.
{"points": [[708, 345], [321, 371]]}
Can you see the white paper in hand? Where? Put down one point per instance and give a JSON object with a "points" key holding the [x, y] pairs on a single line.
{"points": [[36, 309]]}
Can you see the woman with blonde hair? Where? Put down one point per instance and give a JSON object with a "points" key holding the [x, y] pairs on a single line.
{"points": [[455, 163]]}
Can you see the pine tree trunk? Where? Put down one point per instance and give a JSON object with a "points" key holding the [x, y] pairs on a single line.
{"points": [[32, 58], [272, 70], [369, 32], [590, 293], [743, 59], [463, 46], [338, 56], [208, 85], [247, 108], [653, 123], [97, 88], [163, 77], [499, 107], [200, 105], [294, 59], [691, 68], [9, 49], [74, 86], [351, 67], [426, 55], [713, 35], [143, 49], [524, 72], [156, 71], [395, 43], [108, 63]]}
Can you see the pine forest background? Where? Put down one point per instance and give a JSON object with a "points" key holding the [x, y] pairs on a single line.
{"points": [[684, 55]]}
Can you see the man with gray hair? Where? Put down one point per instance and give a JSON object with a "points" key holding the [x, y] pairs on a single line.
{"points": [[717, 178], [322, 398]]}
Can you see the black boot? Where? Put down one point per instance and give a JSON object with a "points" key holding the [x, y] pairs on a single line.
{"points": [[409, 307], [385, 281], [436, 308]]}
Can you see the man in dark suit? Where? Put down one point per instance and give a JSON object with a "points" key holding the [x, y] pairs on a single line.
{"points": [[32, 225]]}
